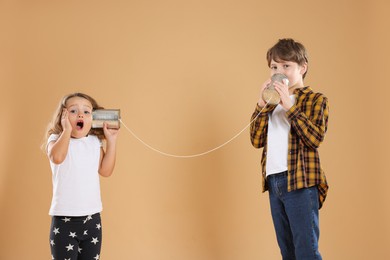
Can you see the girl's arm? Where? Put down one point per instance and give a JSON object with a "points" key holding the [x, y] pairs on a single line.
{"points": [[57, 150], [107, 158]]}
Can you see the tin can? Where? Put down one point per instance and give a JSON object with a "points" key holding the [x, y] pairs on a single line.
{"points": [[109, 116], [270, 95]]}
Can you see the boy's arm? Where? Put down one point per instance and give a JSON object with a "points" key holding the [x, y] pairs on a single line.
{"points": [[311, 130], [258, 128], [259, 119]]}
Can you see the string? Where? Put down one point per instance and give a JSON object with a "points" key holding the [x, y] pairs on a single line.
{"points": [[191, 155]]}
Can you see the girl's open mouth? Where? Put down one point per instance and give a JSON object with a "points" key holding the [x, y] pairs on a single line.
{"points": [[80, 124]]}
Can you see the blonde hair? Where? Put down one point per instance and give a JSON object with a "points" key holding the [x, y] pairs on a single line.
{"points": [[55, 127]]}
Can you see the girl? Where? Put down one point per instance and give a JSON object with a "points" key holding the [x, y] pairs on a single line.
{"points": [[77, 158]]}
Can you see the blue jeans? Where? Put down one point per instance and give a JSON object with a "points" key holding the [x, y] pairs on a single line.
{"points": [[295, 217]]}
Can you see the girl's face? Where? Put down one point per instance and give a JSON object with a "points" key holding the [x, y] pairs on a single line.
{"points": [[292, 70], [80, 116]]}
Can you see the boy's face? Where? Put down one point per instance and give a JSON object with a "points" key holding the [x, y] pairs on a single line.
{"points": [[80, 116], [292, 70]]}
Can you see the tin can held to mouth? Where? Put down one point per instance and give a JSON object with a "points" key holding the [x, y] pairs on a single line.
{"points": [[110, 116], [270, 95]]}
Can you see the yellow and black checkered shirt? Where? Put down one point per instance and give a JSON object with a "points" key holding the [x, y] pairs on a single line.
{"points": [[309, 122]]}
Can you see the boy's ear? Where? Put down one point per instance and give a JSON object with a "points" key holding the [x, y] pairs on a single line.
{"points": [[303, 68]]}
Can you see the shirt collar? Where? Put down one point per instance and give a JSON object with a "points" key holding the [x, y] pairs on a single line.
{"points": [[303, 90]]}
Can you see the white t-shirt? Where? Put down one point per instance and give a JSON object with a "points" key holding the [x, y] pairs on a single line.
{"points": [[76, 184], [277, 140]]}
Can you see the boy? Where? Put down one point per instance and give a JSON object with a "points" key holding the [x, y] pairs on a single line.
{"points": [[290, 134]]}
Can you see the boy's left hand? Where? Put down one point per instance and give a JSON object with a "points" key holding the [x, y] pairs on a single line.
{"points": [[283, 91]]}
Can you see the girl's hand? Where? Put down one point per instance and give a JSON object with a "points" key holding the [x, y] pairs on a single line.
{"points": [[282, 89], [261, 101], [65, 123], [110, 133]]}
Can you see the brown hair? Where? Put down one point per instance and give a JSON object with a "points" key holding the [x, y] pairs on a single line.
{"points": [[55, 126], [288, 50]]}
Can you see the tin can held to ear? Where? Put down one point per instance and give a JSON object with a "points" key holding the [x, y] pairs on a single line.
{"points": [[110, 116], [270, 95]]}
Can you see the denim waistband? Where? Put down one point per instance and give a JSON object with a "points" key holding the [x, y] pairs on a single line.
{"points": [[277, 175]]}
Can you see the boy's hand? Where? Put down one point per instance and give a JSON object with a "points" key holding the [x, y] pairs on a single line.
{"points": [[261, 101], [283, 91]]}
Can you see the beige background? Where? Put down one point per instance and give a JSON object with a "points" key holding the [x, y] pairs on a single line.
{"points": [[186, 76]]}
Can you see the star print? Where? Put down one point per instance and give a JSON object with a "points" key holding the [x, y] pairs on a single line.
{"points": [[52, 257], [98, 226], [88, 218], [70, 247], [67, 259], [72, 234], [80, 250], [95, 240], [85, 233], [97, 257], [52, 242], [66, 219], [56, 230]]}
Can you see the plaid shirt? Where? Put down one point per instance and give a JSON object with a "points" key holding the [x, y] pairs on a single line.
{"points": [[309, 121]]}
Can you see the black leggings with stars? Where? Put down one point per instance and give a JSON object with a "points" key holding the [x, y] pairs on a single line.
{"points": [[76, 238]]}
